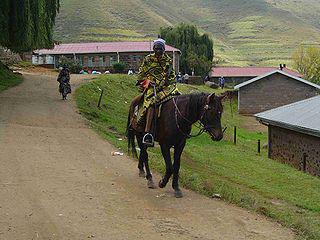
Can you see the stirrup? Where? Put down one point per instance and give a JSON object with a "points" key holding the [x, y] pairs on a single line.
{"points": [[148, 140]]}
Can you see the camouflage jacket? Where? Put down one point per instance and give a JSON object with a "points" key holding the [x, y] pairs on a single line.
{"points": [[160, 73]]}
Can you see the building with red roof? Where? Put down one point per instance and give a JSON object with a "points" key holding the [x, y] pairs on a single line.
{"points": [[237, 75], [101, 55]]}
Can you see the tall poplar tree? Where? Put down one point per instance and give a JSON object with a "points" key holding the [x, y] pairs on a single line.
{"points": [[196, 49], [27, 24]]}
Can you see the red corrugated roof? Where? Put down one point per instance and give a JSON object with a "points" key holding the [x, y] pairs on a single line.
{"points": [[247, 71], [102, 47]]}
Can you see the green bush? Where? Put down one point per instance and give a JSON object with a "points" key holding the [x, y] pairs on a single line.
{"points": [[119, 67], [73, 65]]}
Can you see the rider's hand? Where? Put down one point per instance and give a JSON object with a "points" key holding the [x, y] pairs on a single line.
{"points": [[141, 88], [138, 83]]}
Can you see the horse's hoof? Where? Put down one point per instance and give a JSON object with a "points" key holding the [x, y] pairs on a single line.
{"points": [[178, 193], [142, 173], [151, 184], [161, 184]]}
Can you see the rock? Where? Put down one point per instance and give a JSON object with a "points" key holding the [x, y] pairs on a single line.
{"points": [[116, 153], [212, 85], [216, 195]]}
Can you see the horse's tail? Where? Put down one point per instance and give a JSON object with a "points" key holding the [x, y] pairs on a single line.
{"points": [[130, 133]]}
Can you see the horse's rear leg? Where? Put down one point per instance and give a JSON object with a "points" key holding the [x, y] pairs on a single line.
{"points": [[144, 162], [165, 150], [176, 167]]}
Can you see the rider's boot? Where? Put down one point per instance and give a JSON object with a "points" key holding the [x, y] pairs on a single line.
{"points": [[148, 138]]}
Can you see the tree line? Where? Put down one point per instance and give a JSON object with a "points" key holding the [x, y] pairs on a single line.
{"points": [[196, 50], [27, 24]]}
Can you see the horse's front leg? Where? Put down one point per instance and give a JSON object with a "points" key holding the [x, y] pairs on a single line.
{"points": [[176, 167], [141, 158], [144, 162], [165, 150]]}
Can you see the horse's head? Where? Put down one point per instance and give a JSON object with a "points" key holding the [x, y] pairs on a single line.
{"points": [[211, 117]]}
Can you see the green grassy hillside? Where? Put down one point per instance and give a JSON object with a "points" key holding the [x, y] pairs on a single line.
{"points": [[237, 172], [257, 32], [8, 78]]}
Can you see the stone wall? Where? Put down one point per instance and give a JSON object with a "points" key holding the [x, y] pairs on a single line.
{"points": [[289, 147], [273, 91]]}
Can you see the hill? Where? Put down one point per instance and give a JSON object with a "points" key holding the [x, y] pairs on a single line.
{"points": [[255, 32]]}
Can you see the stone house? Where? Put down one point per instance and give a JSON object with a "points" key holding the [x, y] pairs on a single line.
{"points": [[294, 134], [273, 90], [101, 56]]}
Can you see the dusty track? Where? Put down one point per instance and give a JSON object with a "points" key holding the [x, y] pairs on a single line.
{"points": [[59, 181]]}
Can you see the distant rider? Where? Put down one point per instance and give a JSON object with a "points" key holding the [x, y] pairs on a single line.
{"points": [[64, 81]]}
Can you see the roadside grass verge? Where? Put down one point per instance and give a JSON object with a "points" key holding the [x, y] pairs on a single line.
{"points": [[236, 172], [8, 78]]}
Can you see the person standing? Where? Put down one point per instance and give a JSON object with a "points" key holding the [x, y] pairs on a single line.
{"points": [[186, 78], [221, 82], [179, 77]]}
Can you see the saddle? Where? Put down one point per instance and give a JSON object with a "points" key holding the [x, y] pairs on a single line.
{"points": [[137, 104]]}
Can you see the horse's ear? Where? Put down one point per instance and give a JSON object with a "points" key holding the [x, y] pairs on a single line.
{"points": [[211, 97]]}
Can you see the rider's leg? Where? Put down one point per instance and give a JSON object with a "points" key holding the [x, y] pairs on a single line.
{"points": [[148, 138]]}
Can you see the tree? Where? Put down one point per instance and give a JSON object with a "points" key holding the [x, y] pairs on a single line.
{"points": [[27, 24], [307, 62], [196, 50]]}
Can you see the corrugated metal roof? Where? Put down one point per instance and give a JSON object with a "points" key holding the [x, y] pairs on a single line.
{"points": [[101, 47], [247, 71], [273, 72], [302, 116]]}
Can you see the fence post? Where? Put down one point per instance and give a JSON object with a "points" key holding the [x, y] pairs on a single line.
{"points": [[100, 98], [259, 146], [235, 135]]}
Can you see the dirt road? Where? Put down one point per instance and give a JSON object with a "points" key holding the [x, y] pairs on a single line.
{"points": [[59, 181]]}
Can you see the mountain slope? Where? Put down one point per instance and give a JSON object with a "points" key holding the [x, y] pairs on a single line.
{"points": [[257, 32]]}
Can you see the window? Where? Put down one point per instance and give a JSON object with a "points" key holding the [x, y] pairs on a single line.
{"points": [[80, 60], [90, 62], [101, 61], [113, 60]]}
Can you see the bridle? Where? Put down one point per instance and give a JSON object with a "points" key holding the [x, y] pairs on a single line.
{"points": [[202, 127]]}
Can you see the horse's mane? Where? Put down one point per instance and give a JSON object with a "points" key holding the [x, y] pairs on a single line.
{"points": [[194, 100], [197, 100], [194, 103]]}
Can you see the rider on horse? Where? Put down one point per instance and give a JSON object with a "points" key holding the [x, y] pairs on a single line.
{"points": [[157, 80], [64, 80]]}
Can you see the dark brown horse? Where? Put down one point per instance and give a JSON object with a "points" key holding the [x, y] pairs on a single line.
{"points": [[173, 127]]}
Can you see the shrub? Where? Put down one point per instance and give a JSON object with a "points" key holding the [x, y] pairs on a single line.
{"points": [[119, 67], [73, 65]]}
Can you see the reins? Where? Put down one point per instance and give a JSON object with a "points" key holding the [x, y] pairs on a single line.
{"points": [[202, 127]]}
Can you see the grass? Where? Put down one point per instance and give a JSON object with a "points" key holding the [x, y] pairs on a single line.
{"points": [[255, 32], [8, 78], [236, 172]]}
